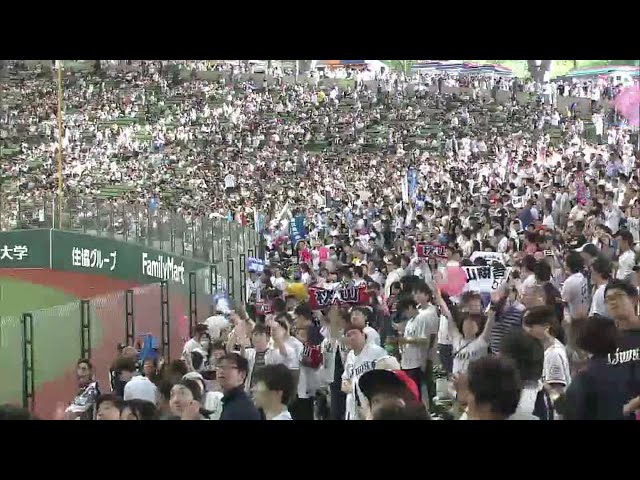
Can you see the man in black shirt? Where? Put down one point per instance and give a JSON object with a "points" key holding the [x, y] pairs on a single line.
{"points": [[599, 390], [231, 373], [622, 300], [501, 213]]}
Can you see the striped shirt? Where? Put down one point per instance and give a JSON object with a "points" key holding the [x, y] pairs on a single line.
{"points": [[509, 319]]}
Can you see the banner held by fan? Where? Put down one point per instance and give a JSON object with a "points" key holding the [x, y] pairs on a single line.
{"points": [[320, 298]]}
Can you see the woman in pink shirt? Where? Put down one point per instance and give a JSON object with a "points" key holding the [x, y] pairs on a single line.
{"points": [[304, 252]]}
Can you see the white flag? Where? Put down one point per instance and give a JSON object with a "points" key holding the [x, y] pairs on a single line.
{"points": [[404, 183]]}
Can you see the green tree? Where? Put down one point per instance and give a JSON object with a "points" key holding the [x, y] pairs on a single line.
{"points": [[400, 65]]}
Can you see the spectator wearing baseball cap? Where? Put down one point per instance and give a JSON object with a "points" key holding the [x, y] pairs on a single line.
{"points": [[211, 400], [385, 388], [141, 388], [589, 252]]}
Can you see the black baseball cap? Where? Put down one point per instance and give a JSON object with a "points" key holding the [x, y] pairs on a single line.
{"points": [[590, 249], [396, 382]]}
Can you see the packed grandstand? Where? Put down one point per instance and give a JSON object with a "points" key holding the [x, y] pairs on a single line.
{"points": [[449, 241]]}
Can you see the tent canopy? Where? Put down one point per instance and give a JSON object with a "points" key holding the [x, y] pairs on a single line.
{"points": [[464, 68], [612, 69], [339, 63]]}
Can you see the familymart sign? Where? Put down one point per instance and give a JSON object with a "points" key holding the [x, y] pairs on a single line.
{"points": [[163, 267]]}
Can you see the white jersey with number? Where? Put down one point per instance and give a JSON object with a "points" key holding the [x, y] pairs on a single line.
{"points": [[230, 181], [633, 224], [575, 293], [626, 262], [556, 365], [354, 367]]}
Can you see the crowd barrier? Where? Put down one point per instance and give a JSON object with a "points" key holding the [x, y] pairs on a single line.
{"points": [[199, 238]]}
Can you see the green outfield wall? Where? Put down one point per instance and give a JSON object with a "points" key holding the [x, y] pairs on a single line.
{"points": [[61, 250]]}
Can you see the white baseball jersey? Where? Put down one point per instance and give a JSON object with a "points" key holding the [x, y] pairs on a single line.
{"points": [[354, 367], [575, 293]]}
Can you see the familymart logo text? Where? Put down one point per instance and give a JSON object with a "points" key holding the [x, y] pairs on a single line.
{"points": [[164, 268]]}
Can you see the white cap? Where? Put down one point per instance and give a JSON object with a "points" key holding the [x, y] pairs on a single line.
{"points": [[140, 388], [193, 376], [388, 363]]}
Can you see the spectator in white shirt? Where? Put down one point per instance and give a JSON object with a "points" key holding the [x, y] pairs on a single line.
{"points": [[575, 291], [278, 281], [612, 216], [538, 321], [361, 316], [264, 352], [503, 241], [274, 388], [201, 334], [426, 300], [230, 183], [527, 272], [627, 258], [600, 275], [394, 276]]}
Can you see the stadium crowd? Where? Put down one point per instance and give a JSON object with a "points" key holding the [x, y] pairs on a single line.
{"points": [[429, 255]]}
